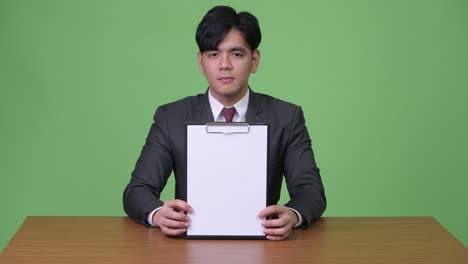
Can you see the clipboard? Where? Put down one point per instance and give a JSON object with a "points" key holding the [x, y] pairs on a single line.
{"points": [[227, 167]]}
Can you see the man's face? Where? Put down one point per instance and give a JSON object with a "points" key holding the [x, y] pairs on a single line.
{"points": [[228, 68]]}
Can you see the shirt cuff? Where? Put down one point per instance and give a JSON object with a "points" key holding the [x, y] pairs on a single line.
{"points": [[299, 217], [149, 219]]}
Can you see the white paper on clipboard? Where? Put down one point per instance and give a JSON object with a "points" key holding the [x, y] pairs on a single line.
{"points": [[226, 179]]}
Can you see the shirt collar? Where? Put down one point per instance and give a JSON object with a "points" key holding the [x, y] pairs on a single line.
{"points": [[241, 108]]}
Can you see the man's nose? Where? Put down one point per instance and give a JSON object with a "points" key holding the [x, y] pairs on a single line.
{"points": [[225, 63]]}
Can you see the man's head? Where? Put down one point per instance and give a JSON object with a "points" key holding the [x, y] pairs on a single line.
{"points": [[217, 23], [228, 53]]}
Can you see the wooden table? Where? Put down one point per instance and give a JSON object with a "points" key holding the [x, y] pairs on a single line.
{"points": [[330, 240]]}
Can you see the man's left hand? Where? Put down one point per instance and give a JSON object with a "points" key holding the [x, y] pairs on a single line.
{"points": [[279, 221]]}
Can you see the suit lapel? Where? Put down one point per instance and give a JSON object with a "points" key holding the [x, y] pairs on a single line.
{"points": [[255, 112], [203, 113]]}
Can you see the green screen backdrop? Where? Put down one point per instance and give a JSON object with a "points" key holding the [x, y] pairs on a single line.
{"points": [[383, 85]]}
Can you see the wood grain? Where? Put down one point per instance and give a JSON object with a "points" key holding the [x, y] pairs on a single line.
{"points": [[330, 240]]}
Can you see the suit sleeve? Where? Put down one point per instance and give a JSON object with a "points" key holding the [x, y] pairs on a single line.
{"points": [[153, 168], [302, 174]]}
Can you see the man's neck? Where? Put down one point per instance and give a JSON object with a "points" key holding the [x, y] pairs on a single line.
{"points": [[241, 107], [229, 101]]}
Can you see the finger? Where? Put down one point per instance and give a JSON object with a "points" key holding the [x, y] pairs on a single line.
{"points": [[276, 231], [169, 213], [270, 210], [178, 205], [165, 213], [172, 224], [276, 223], [276, 238], [173, 232]]}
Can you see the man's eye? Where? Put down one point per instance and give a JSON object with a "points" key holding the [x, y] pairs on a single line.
{"points": [[212, 55], [237, 54]]}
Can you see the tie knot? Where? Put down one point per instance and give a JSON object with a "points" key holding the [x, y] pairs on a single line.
{"points": [[228, 113]]}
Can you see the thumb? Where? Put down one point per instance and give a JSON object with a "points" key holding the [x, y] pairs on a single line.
{"points": [[270, 210]]}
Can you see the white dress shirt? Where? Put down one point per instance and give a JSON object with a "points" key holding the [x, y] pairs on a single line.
{"points": [[241, 108]]}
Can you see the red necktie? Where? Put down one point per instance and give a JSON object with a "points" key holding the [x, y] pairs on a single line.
{"points": [[228, 113]]}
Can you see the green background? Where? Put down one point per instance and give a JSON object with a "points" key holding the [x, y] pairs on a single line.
{"points": [[383, 85]]}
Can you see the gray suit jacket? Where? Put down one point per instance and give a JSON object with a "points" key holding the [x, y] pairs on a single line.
{"points": [[290, 154]]}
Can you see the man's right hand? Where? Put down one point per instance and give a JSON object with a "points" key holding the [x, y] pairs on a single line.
{"points": [[171, 218]]}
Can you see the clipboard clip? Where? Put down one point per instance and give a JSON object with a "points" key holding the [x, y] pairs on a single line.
{"points": [[227, 128]]}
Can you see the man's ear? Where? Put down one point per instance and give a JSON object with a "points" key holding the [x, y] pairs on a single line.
{"points": [[200, 65], [255, 60]]}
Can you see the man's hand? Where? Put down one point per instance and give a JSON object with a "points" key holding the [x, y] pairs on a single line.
{"points": [[171, 218], [279, 221]]}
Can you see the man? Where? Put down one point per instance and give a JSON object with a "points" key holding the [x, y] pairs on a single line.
{"points": [[228, 54]]}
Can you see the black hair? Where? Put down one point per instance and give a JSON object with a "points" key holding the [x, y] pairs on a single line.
{"points": [[217, 23]]}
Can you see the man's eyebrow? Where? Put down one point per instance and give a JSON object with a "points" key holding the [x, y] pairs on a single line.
{"points": [[242, 49]]}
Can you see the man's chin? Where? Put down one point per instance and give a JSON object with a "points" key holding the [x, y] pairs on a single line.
{"points": [[230, 96], [229, 92]]}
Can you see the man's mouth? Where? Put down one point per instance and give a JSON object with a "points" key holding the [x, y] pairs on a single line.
{"points": [[226, 79]]}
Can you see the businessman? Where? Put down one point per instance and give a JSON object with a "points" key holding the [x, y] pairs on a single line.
{"points": [[228, 53]]}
